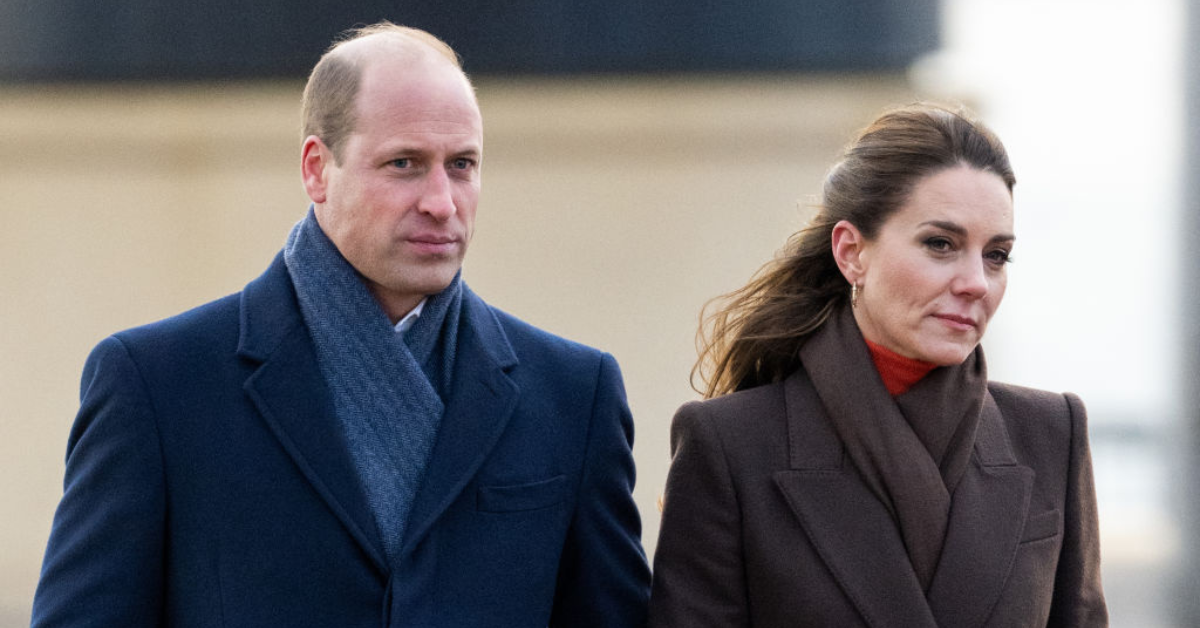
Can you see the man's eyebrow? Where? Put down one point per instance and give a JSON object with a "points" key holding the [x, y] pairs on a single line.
{"points": [[412, 149]]}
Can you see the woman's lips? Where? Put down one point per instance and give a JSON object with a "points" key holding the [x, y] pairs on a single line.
{"points": [[954, 321]]}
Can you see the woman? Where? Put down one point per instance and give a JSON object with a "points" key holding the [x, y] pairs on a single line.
{"points": [[852, 465]]}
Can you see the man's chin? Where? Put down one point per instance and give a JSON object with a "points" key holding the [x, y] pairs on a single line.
{"points": [[431, 283]]}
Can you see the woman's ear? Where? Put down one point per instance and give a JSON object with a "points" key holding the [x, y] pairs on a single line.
{"points": [[848, 245]]}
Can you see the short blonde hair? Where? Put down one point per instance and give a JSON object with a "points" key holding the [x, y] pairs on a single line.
{"points": [[328, 107]]}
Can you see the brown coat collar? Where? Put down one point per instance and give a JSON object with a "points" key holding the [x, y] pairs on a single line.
{"points": [[858, 540]]}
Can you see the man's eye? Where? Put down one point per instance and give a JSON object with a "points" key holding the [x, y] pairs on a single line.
{"points": [[401, 163], [462, 163]]}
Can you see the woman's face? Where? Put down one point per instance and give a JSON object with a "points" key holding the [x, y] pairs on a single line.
{"points": [[935, 273]]}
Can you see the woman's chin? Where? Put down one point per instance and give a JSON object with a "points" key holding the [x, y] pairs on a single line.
{"points": [[947, 354]]}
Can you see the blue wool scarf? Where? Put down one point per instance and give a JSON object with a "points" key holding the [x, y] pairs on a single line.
{"points": [[387, 387]]}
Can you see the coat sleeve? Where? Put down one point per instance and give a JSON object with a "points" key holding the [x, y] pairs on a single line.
{"points": [[603, 579], [104, 562], [1078, 595], [699, 576]]}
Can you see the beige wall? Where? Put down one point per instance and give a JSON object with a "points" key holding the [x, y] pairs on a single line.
{"points": [[612, 209]]}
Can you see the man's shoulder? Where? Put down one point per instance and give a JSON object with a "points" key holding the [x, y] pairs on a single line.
{"points": [[524, 333], [539, 348], [210, 324], [219, 322]]}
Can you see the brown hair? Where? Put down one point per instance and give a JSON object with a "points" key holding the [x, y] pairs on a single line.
{"points": [[754, 335], [328, 107]]}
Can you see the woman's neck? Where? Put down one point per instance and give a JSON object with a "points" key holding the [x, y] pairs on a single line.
{"points": [[899, 373]]}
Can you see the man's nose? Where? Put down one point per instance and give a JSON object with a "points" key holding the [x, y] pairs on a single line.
{"points": [[437, 199]]}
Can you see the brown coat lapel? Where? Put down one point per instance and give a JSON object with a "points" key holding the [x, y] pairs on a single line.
{"points": [[848, 526], [987, 516], [860, 544], [767, 523]]}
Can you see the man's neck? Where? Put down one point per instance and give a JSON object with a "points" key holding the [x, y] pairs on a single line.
{"points": [[395, 306], [408, 320]]}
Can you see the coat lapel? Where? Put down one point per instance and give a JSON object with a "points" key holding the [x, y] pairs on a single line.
{"points": [[850, 528], [989, 510], [481, 401], [289, 391]]}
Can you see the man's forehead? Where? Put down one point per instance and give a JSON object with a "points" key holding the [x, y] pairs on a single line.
{"points": [[381, 44], [395, 48], [418, 106], [409, 63]]}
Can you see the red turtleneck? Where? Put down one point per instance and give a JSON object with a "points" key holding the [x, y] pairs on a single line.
{"points": [[898, 372]]}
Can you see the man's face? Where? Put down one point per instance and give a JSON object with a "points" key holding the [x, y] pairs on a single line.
{"points": [[400, 206]]}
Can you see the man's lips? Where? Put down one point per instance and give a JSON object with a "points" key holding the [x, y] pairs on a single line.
{"points": [[433, 243], [962, 323]]}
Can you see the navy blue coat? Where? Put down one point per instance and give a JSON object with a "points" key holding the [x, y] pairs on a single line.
{"points": [[208, 484]]}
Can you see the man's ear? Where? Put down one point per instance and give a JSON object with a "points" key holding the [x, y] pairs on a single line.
{"points": [[848, 246], [315, 159]]}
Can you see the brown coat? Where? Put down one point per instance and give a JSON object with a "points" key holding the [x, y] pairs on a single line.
{"points": [[767, 523]]}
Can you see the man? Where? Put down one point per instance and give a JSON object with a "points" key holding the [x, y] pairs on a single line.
{"points": [[355, 439]]}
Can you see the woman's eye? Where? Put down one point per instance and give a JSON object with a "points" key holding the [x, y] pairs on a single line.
{"points": [[938, 244], [999, 256]]}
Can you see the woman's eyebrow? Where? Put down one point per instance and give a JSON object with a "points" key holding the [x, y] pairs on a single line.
{"points": [[960, 230]]}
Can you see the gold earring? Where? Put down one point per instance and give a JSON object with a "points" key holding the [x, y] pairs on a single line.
{"points": [[855, 290]]}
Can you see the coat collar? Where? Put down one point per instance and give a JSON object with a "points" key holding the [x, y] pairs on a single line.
{"points": [[289, 391], [848, 526], [859, 542], [481, 400], [987, 517]]}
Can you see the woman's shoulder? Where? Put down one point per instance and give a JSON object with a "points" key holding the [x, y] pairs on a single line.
{"points": [[1039, 419], [751, 401], [1033, 402], [727, 417], [748, 428]]}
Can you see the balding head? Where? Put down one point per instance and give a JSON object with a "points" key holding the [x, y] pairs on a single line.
{"points": [[329, 109]]}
